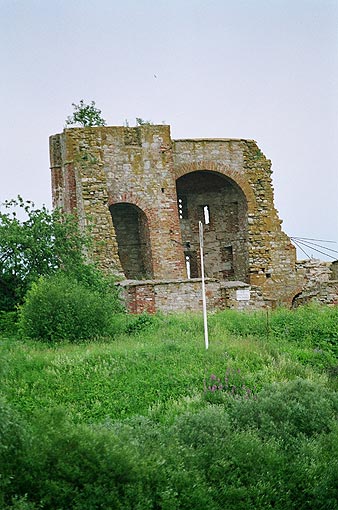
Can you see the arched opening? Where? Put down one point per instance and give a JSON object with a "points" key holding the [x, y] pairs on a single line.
{"points": [[132, 234], [220, 204]]}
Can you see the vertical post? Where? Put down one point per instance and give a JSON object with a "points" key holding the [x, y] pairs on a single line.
{"points": [[206, 339]]}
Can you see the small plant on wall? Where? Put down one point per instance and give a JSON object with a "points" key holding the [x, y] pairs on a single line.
{"points": [[85, 115]]}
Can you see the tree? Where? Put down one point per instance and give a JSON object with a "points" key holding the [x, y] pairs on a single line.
{"points": [[85, 115], [40, 244]]}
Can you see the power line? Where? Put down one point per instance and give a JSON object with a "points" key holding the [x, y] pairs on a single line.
{"points": [[299, 246], [310, 239], [302, 241], [310, 244]]}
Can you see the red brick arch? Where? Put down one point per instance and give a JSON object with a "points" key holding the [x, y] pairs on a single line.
{"points": [[240, 180], [130, 198]]}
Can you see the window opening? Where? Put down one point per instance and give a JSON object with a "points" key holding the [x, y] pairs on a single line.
{"points": [[191, 264], [182, 208], [187, 265], [206, 214]]}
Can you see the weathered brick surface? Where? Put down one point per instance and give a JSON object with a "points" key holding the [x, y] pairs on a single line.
{"points": [[171, 295], [320, 282], [126, 183]]}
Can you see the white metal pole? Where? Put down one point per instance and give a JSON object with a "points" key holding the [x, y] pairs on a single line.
{"points": [[205, 319]]}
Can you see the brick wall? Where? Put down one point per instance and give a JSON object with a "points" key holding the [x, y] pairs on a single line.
{"points": [[126, 182]]}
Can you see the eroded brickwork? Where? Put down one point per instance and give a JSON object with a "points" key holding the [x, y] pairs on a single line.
{"points": [[144, 194], [320, 282], [171, 295]]}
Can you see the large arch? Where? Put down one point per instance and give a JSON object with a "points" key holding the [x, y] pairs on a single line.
{"points": [[222, 206], [226, 171], [133, 240]]}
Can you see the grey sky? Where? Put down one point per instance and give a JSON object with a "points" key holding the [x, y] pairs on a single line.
{"points": [[260, 69]]}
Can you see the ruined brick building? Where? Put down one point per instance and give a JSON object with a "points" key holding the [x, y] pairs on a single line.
{"points": [[144, 193]]}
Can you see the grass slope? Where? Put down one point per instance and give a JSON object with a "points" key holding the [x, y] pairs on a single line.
{"points": [[161, 364], [150, 420]]}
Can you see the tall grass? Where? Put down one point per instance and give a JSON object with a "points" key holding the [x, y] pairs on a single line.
{"points": [[156, 361], [151, 420]]}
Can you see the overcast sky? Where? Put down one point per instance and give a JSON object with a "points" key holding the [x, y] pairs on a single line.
{"points": [[260, 69]]}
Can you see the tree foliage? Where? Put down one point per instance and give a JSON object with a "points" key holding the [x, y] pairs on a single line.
{"points": [[35, 242], [85, 115], [142, 122]]}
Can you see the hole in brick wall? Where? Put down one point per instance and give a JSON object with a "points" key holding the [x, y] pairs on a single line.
{"points": [[182, 208], [206, 215], [187, 265], [162, 189]]}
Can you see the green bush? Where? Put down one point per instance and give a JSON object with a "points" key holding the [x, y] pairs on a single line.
{"points": [[69, 467], [22, 503], [203, 460], [277, 448], [240, 470], [140, 323], [287, 410], [60, 308], [314, 324], [12, 452], [8, 322]]}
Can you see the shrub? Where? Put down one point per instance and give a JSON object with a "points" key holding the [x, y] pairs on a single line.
{"points": [[312, 324], [58, 307], [69, 467], [239, 469], [22, 503], [140, 323], [8, 322], [12, 448], [241, 323], [288, 410]]}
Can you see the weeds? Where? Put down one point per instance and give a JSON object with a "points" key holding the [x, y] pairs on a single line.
{"points": [[232, 384]]}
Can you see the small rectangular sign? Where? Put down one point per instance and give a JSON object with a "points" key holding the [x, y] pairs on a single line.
{"points": [[243, 295]]}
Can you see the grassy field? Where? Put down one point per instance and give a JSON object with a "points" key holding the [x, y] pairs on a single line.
{"points": [[174, 425]]}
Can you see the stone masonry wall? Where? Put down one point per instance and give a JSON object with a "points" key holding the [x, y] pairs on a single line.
{"points": [[96, 171], [320, 282], [271, 256], [138, 165], [171, 295], [80, 186]]}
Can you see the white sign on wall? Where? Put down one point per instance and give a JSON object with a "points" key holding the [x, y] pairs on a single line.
{"points": [[243, 295]]}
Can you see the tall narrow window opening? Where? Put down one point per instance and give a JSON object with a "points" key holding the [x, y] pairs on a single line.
{"points": [[187, 265], [191, 264], [206, 214]]}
